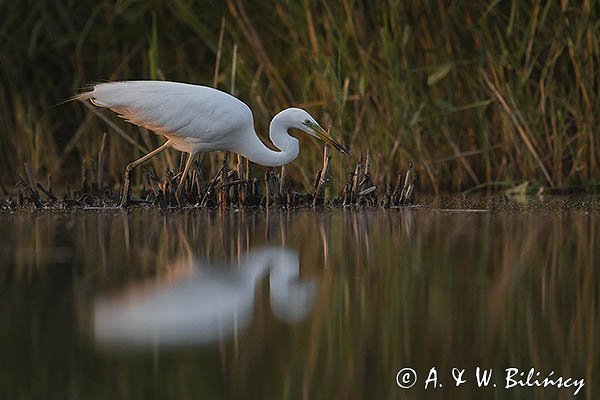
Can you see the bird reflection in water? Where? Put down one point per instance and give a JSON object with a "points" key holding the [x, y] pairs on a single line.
{"points": [[206, 305]]}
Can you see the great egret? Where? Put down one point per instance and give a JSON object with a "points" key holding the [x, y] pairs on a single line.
{"points": [[197, 119], [207, 304]]}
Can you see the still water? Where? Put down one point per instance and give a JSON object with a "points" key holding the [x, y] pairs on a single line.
{"points": [[301, 305]]}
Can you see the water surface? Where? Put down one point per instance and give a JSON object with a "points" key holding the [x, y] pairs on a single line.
{"points": [[302, 305]]}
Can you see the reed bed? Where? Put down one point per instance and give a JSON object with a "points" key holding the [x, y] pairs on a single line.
{"points": [[479, 95], [227, 189]]}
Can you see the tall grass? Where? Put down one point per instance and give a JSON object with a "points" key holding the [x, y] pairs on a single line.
{"points": [[476, 94]]}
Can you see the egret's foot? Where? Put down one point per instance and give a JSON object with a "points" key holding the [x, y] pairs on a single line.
{"points": [[125, 199]]}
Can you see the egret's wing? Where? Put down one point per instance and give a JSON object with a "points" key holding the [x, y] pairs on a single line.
{"points": [[172, 108]]}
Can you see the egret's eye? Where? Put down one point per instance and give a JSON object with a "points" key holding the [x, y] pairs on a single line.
{"points": [[306, 122]]}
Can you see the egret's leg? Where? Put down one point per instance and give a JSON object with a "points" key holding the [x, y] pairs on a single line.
{"points": [[133, 165], [188, 164]]}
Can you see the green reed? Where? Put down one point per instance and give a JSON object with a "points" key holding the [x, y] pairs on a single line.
{"points": [[476, 95]]}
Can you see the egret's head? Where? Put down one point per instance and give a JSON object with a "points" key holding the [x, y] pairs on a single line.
{"points": [[304, 121]]}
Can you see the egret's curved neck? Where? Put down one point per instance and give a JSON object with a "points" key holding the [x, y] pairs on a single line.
{"points": [[283, 262], [256, 151]]}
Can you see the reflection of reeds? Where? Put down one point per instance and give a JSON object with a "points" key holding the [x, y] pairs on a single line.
{"points": [[475, 94], [396, 288]]}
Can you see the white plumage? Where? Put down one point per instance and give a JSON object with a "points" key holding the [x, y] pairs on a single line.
{"points": [[193, 117], [197, 119], [208, 304]]}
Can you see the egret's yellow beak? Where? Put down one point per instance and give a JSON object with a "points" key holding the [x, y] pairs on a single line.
{"points": [[327, 138]]}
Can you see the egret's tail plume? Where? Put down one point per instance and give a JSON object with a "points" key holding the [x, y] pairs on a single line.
{"points": [[89, 95], [83, 96], [78, 97]]}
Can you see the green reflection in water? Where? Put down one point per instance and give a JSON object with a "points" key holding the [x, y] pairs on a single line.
{"points": [[416, 288]]}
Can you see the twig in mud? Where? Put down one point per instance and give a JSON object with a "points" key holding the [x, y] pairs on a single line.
{"points": [[403, 194], [322, 176], [222, 193], [356, 180], [366, 191], [211, 185], [30, 180], [283, 186], [230, 183], [408, 183], [34, 196], [366, 187], [387, 197], [48, 194], [271, 189], [397, 192], [359, 190]]}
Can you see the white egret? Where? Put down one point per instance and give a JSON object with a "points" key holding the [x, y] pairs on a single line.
{"points": [[207, 304], [197, 119]]}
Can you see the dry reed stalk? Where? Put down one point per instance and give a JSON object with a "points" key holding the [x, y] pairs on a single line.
{"points": [[219, 51], [271, 189], [101, 161], [116, 128], [518, 127], [238, 12], [322, 176]]}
